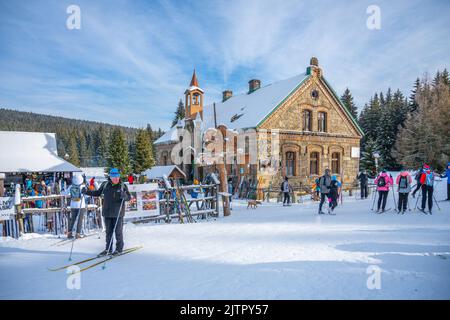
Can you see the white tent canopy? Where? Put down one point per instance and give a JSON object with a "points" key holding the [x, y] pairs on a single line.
{"points": [[31, 152], [157, 172]]}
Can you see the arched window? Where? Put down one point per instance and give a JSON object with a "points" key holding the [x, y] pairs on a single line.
{"points": [[322, 121], [290, 163], [335, 162], [307, 120], [314, 163]]}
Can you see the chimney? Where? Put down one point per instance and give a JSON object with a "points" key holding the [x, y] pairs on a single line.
{"points": [[253, 85], [227, 94]]}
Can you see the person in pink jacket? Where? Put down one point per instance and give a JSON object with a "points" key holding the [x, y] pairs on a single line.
{"points": [[404, 182], [383, 183]]}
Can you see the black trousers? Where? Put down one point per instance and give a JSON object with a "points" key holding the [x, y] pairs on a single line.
{"points": [[382, 197], [448, 191], [417, 188], [323, 196], [74, 213], [287, 197], [364, 191], [402, 201], [427, 193], [109, 225]]}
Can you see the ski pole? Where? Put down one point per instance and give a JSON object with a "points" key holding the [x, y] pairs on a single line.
{"points": [[395, 202], [436, 202], [418, 196], [113, 232], [374, 199]]}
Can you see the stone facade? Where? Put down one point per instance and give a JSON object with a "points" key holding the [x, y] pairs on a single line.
{"points": [[306, 148]]}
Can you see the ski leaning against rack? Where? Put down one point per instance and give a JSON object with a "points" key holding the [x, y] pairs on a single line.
{"points": [[94, 258], [186, 205]]}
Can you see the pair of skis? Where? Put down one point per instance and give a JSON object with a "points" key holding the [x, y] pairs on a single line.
{"points": [[103, 259], [67, 240]]}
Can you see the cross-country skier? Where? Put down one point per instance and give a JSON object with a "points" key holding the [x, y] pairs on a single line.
{"points": [[417, 178], [427, 182], [77, 204], [115, 193], [286, 189], [335, 187], [447, 174], [404, 182], [324, 184], [363, 180], [383, 183]]}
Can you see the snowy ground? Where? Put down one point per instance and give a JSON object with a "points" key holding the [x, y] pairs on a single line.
{"points": [[272, 252]]}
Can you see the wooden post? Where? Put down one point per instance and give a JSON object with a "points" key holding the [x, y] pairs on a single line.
{"points": [[224, 188]]}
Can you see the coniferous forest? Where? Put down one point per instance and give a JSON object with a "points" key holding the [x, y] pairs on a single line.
{"points": [[88, 143]]}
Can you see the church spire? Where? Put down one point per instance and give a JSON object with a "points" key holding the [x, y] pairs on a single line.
{"points": [[194, 81]]}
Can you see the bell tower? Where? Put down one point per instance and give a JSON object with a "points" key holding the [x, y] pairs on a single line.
{"points": [[194, 99]]}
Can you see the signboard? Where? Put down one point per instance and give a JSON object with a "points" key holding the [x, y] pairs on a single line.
{"points": [[355, 152], [6, 208], [144, 201]]}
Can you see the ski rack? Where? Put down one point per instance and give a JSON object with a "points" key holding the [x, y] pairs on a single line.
{"points": [[170, 206]]}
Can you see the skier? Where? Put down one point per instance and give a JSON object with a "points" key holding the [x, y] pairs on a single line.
{"points": [[77, 205], [115, 193], [363, 179], [404, 182], [324, 184], [417, 178], [427, 183], [383, 183], [286, 189], [447, 175], [335, 187]]}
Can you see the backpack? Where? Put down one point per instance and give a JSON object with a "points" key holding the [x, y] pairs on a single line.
{"points": [[403, 183], [75, 192], [381, 181], [429, 179]]}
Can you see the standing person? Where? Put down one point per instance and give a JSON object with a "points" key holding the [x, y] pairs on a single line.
{"points": [[115, 193], [335, 187], [417, 178], [324, 185], [130, 178], [383, 183], [363, 180], [77, 205], [447, 174], [427, 182], [286, 189], [404, 182]]}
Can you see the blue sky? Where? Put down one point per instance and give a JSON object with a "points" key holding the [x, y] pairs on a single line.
{"points": [[131, 61]]}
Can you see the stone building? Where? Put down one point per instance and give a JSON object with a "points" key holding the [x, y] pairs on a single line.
{"points": [[316, 131]]}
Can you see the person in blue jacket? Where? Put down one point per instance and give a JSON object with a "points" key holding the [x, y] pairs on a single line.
{"points": [[447, 175]]}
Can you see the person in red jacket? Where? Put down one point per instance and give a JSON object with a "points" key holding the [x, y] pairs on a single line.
{"points": [[130, 179], [427, 182]]}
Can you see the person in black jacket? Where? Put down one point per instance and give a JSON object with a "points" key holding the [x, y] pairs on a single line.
{"points": [[363, 180], [115, 193]]}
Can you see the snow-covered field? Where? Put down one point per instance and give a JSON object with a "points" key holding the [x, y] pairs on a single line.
{"points": [[273, 252]]}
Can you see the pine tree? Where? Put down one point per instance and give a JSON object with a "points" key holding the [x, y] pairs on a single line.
{"points": [[144, 152], [367, 160], [347, 100], [72, 150], [118, 152], [412, 99], [179, 113]]}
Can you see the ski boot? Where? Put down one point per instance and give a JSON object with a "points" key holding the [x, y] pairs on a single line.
{"points": [[69, 235], [104, 253], [78, 236], [116, 252], [321, 212]]}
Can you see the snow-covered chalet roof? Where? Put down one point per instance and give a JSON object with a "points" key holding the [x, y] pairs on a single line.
{"points": [[31, 152], [157, 172]]}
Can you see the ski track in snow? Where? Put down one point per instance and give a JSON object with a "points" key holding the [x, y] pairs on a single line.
{"points": [[273, 252]]}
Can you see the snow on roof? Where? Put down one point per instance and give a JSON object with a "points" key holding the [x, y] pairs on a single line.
{"points": [[97, 172], [249, 109], [169, 136], [31, 152], [158, 171]]}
